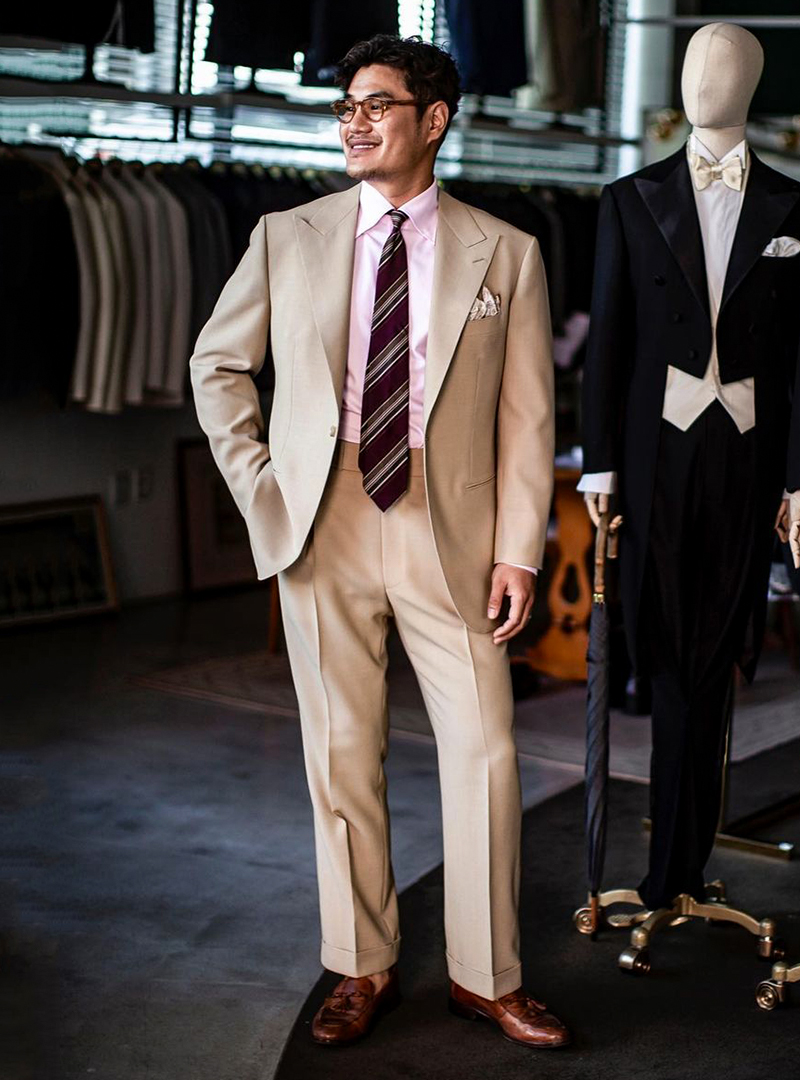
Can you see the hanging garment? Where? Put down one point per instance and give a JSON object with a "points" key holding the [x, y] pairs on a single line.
{"points": [[488, 42], [130, 23], [132, 357], [210, 258], [258, 35], [336, 27], [108, 369], [82, 231], [39, 282], [177, 342], [144, 270], [565, 50]]}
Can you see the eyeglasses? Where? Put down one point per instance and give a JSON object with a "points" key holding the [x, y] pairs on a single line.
{"points": [[374, 108]]}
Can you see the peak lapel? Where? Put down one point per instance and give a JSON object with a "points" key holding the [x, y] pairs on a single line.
{"points": [[767, 201], [463, 254], [671, 203], [326, 236]]}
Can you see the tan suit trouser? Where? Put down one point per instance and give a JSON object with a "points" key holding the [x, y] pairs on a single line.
{"points": [[359, 568]]}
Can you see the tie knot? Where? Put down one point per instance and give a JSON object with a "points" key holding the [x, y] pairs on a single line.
{"points": [[398, 217]]}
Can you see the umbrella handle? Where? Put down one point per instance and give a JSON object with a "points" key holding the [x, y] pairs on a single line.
{"points": [[600, 549]]}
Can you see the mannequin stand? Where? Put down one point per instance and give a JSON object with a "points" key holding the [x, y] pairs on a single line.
{"points": [[635, 959], [643, 923]]}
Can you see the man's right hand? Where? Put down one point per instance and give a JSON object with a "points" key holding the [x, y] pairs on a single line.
{"points": [[597, 504]]}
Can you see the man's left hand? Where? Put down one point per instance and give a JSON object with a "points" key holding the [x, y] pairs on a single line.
{"points": [[520, 586]]}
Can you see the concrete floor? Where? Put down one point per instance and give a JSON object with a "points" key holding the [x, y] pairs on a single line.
{"points": [[159, 909]]}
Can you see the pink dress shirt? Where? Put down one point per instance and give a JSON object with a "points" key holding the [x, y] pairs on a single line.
{"points": [[372, 231]]}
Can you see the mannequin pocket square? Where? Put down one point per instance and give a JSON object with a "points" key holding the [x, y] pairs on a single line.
{"points": [[782, 247], [484, 306]]}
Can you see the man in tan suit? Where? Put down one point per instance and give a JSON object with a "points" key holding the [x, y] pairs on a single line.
{"points": [[407, 472]]}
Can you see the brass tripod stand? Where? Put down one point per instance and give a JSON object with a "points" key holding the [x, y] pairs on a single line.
{"points": [[635, 959], [642, 923]]}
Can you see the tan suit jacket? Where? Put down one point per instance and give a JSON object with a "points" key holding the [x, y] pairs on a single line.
{"points": [[488, 404]]}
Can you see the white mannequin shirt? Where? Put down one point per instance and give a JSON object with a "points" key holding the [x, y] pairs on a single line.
{"points": [[687, 397]]}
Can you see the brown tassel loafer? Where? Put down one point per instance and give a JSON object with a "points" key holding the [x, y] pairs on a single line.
{"points": [[352, 1009], [519, 1017]]}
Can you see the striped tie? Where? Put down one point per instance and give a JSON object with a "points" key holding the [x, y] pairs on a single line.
{"points": [[383, 453]]}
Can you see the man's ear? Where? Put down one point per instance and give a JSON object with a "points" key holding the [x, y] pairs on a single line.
{"points": [[437, 121]]}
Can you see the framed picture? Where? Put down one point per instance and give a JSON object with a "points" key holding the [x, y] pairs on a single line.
{"points": [[55, 561], [216, 548]]}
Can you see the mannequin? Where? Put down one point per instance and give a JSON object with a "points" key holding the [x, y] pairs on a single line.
{"points": [[692, 422], [721, 70]]}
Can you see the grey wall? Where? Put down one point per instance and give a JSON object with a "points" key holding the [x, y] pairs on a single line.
{"points": [[46, 453]]}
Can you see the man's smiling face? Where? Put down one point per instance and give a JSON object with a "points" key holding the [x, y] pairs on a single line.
{"points": [[389, 148]]}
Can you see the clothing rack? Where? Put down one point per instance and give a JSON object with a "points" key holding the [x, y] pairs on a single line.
{"points": [[491, 137]]}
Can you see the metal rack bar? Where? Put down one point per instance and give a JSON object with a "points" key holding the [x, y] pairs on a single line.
{"points": [[763, 22]]}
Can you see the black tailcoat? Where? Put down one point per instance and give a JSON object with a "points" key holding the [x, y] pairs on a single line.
{"points": [[650, 310]]}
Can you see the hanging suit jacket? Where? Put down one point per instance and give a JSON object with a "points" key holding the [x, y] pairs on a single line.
{"points": [[650, 310], [489, 431]]}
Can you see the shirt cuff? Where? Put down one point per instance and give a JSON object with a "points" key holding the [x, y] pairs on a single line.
{"points": [[599, 483], [519, 566]]}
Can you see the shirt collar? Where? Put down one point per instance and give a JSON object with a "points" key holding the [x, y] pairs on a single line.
{"points": [[696, 147], [422, 210]]}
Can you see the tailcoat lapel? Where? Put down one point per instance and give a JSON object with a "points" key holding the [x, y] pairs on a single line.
{"points": [[326, 235], [463, 255], [767, 201], [670, 200]]}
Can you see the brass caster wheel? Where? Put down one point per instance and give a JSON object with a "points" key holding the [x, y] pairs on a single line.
{"points": [[770, 994], [583, 921], [634, 960], [716, 892]]}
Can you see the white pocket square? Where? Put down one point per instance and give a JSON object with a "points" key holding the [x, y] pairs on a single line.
{"points": [[484, 305], [782, 247]]}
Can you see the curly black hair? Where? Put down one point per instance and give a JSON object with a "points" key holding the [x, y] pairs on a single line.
{"points": [[429, 72]]}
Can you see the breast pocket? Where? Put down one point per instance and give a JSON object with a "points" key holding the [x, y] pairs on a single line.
{"points": [[489, 324]]}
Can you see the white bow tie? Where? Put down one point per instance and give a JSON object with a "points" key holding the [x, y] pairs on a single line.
{"points": [[704, 172]]}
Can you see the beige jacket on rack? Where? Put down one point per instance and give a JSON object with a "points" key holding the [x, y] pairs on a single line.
{"points": [[488, 388]]}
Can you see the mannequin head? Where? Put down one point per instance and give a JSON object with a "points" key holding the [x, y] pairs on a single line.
{"points": [[720, 73]]}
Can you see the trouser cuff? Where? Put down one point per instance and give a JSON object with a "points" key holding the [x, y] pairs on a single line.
{"points": [[356, 964], [485, 986]]}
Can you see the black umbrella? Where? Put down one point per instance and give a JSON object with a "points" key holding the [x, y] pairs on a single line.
{"points": [[597, 658]]}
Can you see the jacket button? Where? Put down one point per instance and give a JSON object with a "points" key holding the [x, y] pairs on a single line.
{"points": [[753, 330], [333, 430], [659, 280], [676, 316], [692, 354]]}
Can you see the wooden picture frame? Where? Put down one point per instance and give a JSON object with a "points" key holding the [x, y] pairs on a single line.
{"points": [[216, 547], [55, 561]]}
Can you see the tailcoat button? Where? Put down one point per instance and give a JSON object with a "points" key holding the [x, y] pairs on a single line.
{"points": [[676, 316], [659, 280], [692, 354], [333, 430]]}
